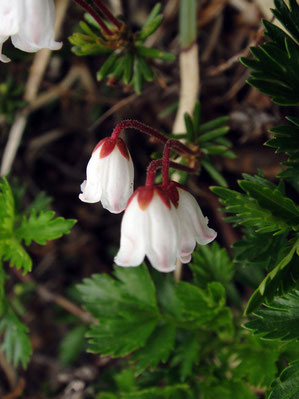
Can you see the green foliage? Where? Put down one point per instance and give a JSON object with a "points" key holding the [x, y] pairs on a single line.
{"points": [[280, 280], [286, 139], [16, 343], [287, 386], [275, 62], [264, 206], [127, 57], [278, 319], [134, 318], [211, 263], [34, 224]]}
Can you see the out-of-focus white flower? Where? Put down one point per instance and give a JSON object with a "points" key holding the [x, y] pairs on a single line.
{"points": [[149, 228], [110, 175], [193, 225], [30, 23], [162, 223]]}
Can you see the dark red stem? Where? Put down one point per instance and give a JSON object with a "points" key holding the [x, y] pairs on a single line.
{"points": [[131, 123], [96, 16], [104, 10], [157, 163]]}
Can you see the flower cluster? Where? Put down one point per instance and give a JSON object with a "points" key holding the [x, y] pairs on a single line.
{"points": [[29, 23], [163, 222]]}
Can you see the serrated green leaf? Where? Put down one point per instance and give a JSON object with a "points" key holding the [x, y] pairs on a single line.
{"points": [[41, 227], [16, 343], [187, 356], [211, 263], [279, 319], [12, 251], [225, 389], [287, 387], [157, 349], [178, 391], [279, 281], [7, 209], [257, 362]]}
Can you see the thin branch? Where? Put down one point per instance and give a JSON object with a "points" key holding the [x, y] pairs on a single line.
{"points": [[95, 15]]}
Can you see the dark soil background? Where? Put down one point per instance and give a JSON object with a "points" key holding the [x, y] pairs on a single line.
{"points": [[57, 145]]}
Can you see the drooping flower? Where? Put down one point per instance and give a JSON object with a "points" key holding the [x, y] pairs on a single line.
{"points": [[30, 23], [193, 224], [110, 175], [162, 223], [149, 228]]}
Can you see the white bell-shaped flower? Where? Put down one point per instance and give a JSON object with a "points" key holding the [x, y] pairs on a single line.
{"points": [[193, 225], [149, 228], [30, 23], [110, 176]]}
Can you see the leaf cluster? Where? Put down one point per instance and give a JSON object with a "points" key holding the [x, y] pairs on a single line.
{"points": [[128, 59], [10, 99], [275, 62], [17, 229]]}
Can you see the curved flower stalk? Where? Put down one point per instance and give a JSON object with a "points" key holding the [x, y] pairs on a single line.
{"points": [[110, 175], [30, 23], [162, 223]]}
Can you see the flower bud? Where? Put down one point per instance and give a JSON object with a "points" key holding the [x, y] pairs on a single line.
{"points": [[110, 176]]}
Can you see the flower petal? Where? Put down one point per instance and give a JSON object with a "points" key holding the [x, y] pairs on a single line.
{"points": [[92, 187], [132, 243], [162, 235], [37, 28]]}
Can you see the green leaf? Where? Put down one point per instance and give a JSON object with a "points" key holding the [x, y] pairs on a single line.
{"points": [[157, 349], [211, 263], [279, 281], [155, 53], [16, 343], [187, 356], [257, 362], [41, 227], [225, 389], [128, 67], [213, 172], [214, 124], [178, 391], [7, 209], [152, 23], [279, 318], [264, 206], [12, 251], [213, 134], [107, 66], [126, 309], [287, 387], [2, 288], [189, 127], [72, 345]]}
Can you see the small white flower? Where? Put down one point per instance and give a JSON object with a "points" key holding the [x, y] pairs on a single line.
{"points": [[193, 225], [162, 223], [149, 228], [30, 23], [110, 176]]}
